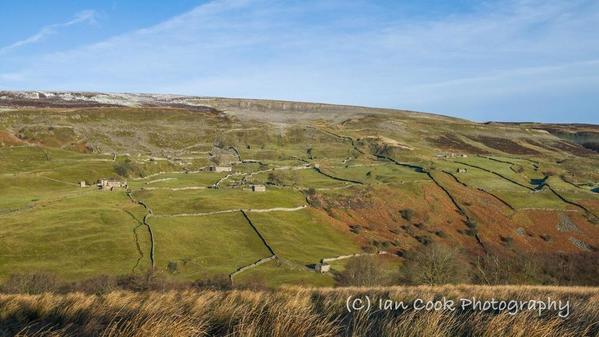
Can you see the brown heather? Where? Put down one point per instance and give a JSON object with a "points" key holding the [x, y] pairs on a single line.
{"points": [[289, 312]]}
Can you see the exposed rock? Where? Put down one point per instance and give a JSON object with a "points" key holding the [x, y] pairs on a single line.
{"points": [[580, 244], [565, 224]]}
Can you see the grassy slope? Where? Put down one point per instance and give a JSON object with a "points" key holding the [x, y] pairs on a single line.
{"points": [[303, 237], [48, 222], [78, 236], [204, 246]]}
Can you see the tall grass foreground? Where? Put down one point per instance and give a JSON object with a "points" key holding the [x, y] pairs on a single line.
{"points": [[292, 311]]}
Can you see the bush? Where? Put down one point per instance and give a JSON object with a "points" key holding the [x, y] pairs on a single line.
{"points": [[407, 214], [275, 179], [124, 168], [217, 282], [471, 224], [362, 271], [356, 229], [435, 264], [35, 283], [98, 285], [440, 234], [172, 267], [508, 241]]}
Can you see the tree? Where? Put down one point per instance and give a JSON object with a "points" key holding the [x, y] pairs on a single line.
{"points": [[435, 264], [362, 271], [123, 168]]}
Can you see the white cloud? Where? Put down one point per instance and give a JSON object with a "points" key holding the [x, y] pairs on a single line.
{"points": [[87, 16], [354, 53]]}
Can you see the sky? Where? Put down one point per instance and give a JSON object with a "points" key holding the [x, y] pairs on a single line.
{"points": [[486, 60]]}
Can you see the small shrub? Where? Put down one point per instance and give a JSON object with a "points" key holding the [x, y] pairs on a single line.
{"points": [[362, 271], [407, 214], [217, 282], [34, 283], [424, 239], [507, 240], [127, 168], [471, 232], [172, 267], [98, 285], [356, 229]]}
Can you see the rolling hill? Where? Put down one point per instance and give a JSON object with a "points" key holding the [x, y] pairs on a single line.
{"points": [[340, 180]]}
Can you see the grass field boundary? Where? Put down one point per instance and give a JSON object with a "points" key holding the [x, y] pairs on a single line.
{"points": [[497, 174], [317, 169], [461, 210], [480, 189], [148, 214], [272, 252], [250, 266], [562, 198]]}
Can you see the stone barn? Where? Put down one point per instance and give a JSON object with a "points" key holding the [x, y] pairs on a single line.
{"points": [[109, 185], [461, 170], [258, 188], [322, 267], [215, 168]]}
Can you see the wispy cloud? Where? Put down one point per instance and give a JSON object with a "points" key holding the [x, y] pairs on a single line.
{"points": [[87, 16], [519, 56]]}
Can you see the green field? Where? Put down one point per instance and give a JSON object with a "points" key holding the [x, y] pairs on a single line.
{"points": [[49, 223], [206, 245]]}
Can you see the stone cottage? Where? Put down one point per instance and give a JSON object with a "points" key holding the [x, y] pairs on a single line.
{"points": [[322, 267], [215, 168], [109, 185], [258, 188]]}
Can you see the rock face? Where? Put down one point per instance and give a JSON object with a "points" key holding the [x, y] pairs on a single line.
{"points": [[565, 224], [272, 110]]}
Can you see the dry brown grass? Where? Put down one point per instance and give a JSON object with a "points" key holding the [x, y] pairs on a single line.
{"points": [[290, 312]]}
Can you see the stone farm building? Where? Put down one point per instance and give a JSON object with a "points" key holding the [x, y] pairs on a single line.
{"points": [[105, 184], [258, 188], [461, 170], [215, 168], [322, 267]]}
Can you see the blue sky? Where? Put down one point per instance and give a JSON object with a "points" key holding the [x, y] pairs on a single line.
{"points": [[509, 60]]}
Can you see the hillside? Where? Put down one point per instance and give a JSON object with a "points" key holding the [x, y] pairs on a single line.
{"points": [[339, 180]]}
